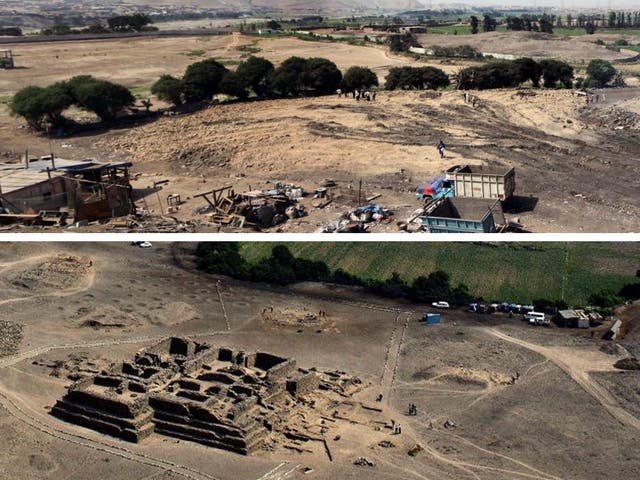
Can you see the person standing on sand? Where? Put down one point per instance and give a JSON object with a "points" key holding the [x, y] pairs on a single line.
{"points": [[441, 146]]}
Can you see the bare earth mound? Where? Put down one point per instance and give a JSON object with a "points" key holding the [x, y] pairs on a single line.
{"points": [[50, 274]]}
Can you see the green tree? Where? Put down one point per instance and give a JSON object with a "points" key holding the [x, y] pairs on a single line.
{"points": [[556, 70], [36, 106], [489, 24], [546, 24], [107, 100], [288, 78], [169, 89], [125, 23], [460, 296], [222, 258], [402, 43], [474, 24], [202, 80], [527, 69], [429, 289], [359, 77], [321, 76], [600, 73], [273, 25], [416, 78], [255, 73], [232, 85]]}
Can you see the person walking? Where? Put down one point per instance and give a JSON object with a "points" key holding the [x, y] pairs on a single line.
{"points": [[441, 147]]}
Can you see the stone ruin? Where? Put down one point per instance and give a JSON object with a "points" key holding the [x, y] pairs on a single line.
{"points": [[226, 399]]}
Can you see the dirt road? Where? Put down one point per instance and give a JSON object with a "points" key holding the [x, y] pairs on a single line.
{"points": [[578, 368]]}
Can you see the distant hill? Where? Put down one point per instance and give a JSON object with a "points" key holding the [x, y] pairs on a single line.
{"points": [[511, 272], [299, 6]]}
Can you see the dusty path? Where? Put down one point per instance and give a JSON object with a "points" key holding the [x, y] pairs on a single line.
{"points": [[578, 369]]}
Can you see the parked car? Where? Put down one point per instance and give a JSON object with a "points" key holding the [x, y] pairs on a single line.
{"points": [[144, 245], [440, 304]]}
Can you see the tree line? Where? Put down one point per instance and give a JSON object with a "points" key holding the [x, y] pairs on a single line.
{"points": [[552, 73], [295, 77], [134, 22], [281, 267]]}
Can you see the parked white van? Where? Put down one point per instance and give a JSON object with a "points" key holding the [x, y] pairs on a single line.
{"points": [[536, 318]]}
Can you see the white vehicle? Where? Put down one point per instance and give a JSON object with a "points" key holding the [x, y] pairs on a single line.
{"points": [[440, 304], [145, 245], [536, 318]]}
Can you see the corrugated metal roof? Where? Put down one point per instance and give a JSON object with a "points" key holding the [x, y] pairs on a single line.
{"points": [[18, 178], [14, 176]]}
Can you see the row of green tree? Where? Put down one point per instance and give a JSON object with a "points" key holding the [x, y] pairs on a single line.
{"points": [[281, 267], [513, 73], [610, 298], [295, 77], [531, 23], [44, 106], [134, 22]]}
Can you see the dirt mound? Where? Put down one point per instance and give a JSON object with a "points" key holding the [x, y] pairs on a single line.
{"points": [[614, 349], [472, 379], [630, 363], [10, 338], [173, 314], [53, 273], [297, 317], [105, 316], [196, 158]]}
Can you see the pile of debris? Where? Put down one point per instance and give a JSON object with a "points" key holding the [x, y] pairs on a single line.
{"points": [[364, 462], [614, 118], [257, 208], [358, 219], [10, 337]]}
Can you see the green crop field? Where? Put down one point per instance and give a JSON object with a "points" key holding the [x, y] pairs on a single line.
{"points": [[506, 272]]}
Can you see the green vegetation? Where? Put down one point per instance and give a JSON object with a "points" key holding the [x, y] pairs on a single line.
{"points": [[402, 43], [407, 78], [509, 74], [106, 99], [359, 77], [126, 23], [450, 30], [169, 89], [460, 51], [195, 53], [42, 106], [296, 76], [140, 91], [512, 272], [600, 74], [283, 268]]}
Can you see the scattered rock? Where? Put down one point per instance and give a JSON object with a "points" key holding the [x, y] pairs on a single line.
{"points": [[449, 424], [630, 363], [364, 462], [415, 450]]}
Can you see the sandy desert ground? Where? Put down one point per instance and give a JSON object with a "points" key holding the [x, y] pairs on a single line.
{"points": [[543, 404]]}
